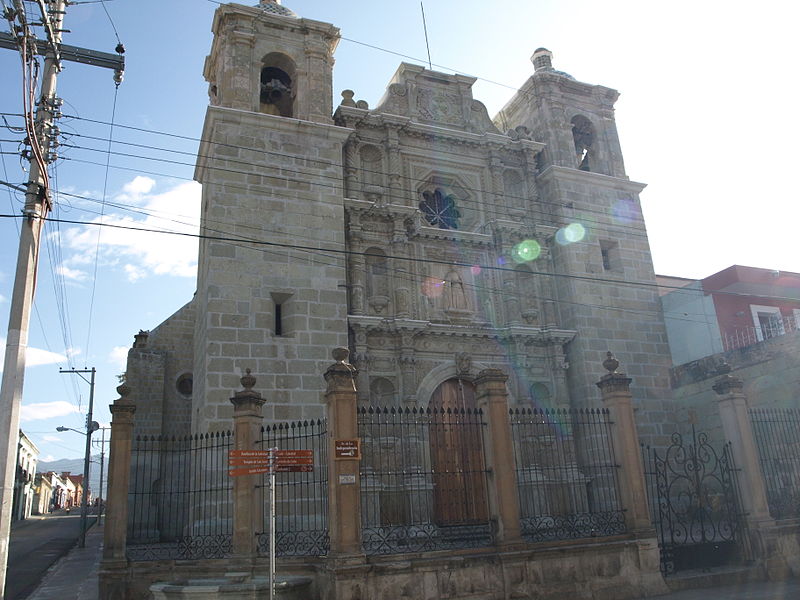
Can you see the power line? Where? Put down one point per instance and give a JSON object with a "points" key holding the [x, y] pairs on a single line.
{"points": [[345, 251]]}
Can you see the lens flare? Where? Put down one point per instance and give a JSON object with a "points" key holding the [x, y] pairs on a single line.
{"points": [[574, 232], [526, 251], [625, 210], [476, 269], [432, 287]]}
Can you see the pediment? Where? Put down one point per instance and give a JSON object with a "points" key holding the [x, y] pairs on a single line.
{"points": [[435, 98]]}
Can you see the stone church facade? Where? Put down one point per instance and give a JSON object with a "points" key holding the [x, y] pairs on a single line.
{"points": [[432, 240]]}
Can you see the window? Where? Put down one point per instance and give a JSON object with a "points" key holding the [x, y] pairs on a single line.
{"points": [[439, 209], [583, 137], [184, 385], [609, 253], [280, 313], [767, 321]]}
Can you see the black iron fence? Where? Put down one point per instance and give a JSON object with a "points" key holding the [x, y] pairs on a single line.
{"points": [[301, 497], [777, 434], [179, 498], [423, 480], [694, 504], [566, 474]]}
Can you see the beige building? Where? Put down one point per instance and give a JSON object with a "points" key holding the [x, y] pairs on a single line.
{"points": [[27, 457], [429, 237]]}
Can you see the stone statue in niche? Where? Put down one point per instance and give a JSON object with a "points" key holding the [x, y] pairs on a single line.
{"points": [[455, 298]]}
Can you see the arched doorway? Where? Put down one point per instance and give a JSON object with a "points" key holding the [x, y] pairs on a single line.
{"points": [[459, 482]]}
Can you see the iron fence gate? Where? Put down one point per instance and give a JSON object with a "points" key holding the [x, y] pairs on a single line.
{"points": [[694, 503]]}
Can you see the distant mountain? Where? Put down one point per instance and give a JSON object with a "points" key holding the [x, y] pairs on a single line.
{"points": [[75, 467]]}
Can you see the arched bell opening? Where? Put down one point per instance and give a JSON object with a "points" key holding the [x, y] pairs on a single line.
{"points": [[277, 89]]}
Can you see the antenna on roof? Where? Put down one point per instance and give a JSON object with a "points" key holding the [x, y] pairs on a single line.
{"points": [[425, 27]]}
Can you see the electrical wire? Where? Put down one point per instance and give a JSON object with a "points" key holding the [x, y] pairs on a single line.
{"points": [[102, 215]]}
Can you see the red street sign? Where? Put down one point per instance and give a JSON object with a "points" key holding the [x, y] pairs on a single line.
{"points": [[283, 462], [247, 471], [248, 453], [347, 449], [294, 469], [293, 454], [248, 462]]}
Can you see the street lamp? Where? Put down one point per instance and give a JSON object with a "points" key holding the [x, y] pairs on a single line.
{"points": [[91, 427]]}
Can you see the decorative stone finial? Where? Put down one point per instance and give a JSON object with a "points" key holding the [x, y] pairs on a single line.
{"points": [[140, 339], [123, 389], [723, 368], [611, 364], [341, 354], [542, 59], [347, 98], [248, 381]]}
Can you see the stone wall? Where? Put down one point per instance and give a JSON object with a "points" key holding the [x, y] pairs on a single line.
{"points": [[268, 184], [160, 363], [770, 371]]}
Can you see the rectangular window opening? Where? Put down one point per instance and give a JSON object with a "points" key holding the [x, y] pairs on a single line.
{"points": [[609, 252], [278, 319]]}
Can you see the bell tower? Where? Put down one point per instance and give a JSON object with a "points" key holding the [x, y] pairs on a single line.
{"points": [[605, 281], [574, 119], [266, 59], [268, 162]]}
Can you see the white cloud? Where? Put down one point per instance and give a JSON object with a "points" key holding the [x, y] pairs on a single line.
{"points": [[71, 274], [51, 438], [48, 458], [119, 357], [34, 357], [143, 254], [47, 410], [140, 185], [2, 298]]}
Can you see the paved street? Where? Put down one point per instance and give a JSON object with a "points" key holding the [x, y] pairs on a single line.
{"points": [[36, 544]]}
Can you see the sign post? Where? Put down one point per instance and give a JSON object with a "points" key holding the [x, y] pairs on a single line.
{"points": [[253, 462]]}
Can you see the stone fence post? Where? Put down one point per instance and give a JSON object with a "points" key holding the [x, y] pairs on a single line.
{"points": [[247, 420], [736, 427], [616, 391], [114, 564], [492, 397], [344, 484]]}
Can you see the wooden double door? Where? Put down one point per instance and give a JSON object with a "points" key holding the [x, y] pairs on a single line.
{"points": [[456, 442]]}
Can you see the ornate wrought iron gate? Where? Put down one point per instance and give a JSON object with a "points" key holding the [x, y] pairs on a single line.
{"points": [[694, 503]]}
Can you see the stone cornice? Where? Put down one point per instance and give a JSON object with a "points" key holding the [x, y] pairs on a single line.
{"points": [[589, 178], [535, 335], [365, 206], [418, 230], [255, 120]]}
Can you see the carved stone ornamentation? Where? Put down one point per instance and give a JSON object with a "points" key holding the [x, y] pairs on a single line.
{"points": [[463, 362]]}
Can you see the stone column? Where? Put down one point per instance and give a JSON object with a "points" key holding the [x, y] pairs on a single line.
{"points": [[492, 396], [344, 485], [247, 420], [617, 397], [737, 430], [119, 474], [114, 564]]}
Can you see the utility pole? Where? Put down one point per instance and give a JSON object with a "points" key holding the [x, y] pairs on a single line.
{"points": [[91, 427], [100, 494], [37, 204]]}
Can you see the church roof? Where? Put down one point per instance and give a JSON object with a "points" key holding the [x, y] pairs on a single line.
{"points": [[275, 8]]}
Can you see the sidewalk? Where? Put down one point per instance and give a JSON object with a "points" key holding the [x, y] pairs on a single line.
{"points": [[75, 576], [761, 590]]}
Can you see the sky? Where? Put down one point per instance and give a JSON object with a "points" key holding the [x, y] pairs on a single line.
{"points": [[704, 118]]}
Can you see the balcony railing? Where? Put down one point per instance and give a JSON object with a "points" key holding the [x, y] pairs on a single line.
{"points": [[776, 327]]}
